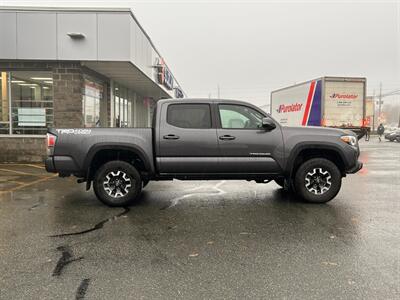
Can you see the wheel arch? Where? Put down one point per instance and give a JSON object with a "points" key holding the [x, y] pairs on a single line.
{"points": [[96, 149], [306, 151]]}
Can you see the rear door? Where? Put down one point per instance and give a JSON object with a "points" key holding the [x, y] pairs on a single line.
{"points": [[187, 139], [245, 146]]}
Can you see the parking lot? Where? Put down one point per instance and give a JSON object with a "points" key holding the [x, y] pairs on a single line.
{"points": [[202, 239]]}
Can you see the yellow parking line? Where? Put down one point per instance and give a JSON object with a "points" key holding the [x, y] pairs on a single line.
{"points": [[28, 184], [34, 166], [33, 182], [29, 165], [19, 172], [17, 182], [23, 164]]}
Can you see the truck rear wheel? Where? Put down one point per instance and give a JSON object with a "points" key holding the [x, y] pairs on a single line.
{"points": [[117, 183], [318, 180]]}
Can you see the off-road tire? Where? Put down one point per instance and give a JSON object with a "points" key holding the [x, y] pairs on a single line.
{"points": [[310, 167], [129, 195]]}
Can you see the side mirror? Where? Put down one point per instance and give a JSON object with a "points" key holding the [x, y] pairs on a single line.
{"points": [[267, 124]]}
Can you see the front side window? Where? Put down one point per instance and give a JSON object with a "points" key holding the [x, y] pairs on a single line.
{"points": [[239, 117], [189, 115]]}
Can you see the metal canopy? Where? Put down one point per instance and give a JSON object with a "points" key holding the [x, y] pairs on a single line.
{"points": [[125, 73]]}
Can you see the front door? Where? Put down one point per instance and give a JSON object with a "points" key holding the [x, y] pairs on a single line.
{"points": [[246, 147], [188, 139]]}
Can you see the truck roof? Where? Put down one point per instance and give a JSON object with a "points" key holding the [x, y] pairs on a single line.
{"points": [[202, 100], [208, 100]]}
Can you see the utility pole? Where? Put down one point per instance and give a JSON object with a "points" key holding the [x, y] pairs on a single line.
{"points": [[374, 112], [218, 92], [399, 119], [380, 103]]}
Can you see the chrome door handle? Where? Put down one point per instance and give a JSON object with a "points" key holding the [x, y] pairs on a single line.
{"points": [[170, 137], [227, 137]]}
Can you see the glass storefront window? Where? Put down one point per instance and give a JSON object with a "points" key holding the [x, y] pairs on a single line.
{"points": [[26, 102], [4, 104], [117, 117], [122, 106], [130, 109], [93, 95], [31, 94]]}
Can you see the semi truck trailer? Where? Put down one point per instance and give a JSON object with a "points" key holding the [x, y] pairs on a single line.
{"points": [[337, 102]]}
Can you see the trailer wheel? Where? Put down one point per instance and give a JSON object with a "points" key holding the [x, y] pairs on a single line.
{"points": [[318, 180], [117, 183]]}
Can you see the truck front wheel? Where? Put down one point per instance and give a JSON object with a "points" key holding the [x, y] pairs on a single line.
{"points": [[117, 183], [318, 180]]}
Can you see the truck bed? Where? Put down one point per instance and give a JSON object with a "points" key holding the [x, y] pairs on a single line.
{"points": [[75, 160]]}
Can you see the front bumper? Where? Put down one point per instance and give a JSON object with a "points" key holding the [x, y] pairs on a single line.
{"points": [[358, 166]]}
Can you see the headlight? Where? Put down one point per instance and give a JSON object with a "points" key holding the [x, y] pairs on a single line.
{"points": [[349, 139]]}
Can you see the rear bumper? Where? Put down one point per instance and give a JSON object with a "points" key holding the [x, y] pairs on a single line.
{"points": [[64, 165], [358, 166], [49, 165]]}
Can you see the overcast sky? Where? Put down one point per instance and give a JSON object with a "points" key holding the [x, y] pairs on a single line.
{"points": [[249, 48]]}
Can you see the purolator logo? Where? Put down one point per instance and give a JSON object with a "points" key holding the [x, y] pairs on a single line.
{"points": [[343, 96], [289, 108]]}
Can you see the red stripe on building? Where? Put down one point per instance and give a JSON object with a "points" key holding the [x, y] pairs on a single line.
{"points": [[308, 104]]}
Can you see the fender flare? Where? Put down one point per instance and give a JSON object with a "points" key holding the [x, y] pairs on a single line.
{"points": [[115, 146], [311, 145]]}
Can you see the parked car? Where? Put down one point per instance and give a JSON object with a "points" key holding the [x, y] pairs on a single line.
{"points": [[194, 139], [393, 136]]}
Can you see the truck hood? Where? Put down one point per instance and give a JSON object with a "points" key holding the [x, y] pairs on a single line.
{"points": [[314, 130]]}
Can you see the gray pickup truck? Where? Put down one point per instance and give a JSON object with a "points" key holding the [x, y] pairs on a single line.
{"points": [[195, 139]]}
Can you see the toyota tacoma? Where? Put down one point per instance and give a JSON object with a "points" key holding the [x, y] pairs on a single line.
{"points": [[195, 139]]}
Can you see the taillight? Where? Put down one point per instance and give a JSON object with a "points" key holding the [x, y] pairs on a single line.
{"points": [[51, 140]]}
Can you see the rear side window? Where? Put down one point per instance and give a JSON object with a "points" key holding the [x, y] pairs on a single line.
{"points": [[189, 115]]}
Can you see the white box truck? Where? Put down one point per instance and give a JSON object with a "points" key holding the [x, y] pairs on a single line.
{"points": [[326, 101]]}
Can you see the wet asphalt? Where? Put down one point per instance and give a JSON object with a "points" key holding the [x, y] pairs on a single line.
{"points": [[202, 239]]}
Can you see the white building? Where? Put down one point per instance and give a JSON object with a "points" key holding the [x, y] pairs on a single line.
{"points": [[75, 67]]}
